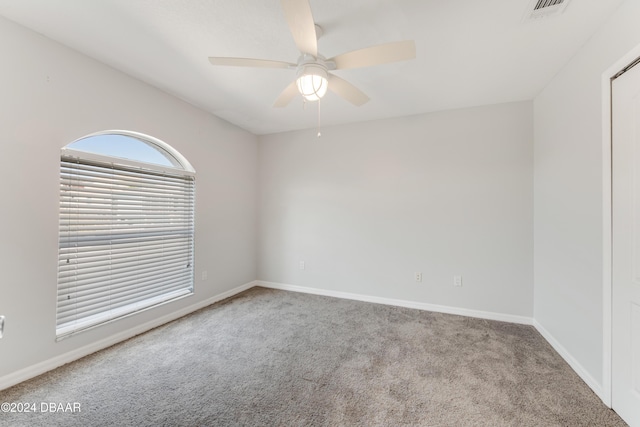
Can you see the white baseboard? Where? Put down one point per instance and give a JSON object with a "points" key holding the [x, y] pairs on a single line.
{"points": [[523, 320], [575, 365], [47, 365]]}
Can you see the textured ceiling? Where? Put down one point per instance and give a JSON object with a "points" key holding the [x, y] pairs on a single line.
{"points": [[469, 52]]}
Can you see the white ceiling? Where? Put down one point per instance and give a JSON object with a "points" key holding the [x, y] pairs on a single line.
{"points": [[469, 52]]}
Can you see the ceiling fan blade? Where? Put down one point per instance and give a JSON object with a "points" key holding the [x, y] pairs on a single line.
{"points": [[300, 20], [286, 95], [374, 55], [347, 91], [248, 62]]}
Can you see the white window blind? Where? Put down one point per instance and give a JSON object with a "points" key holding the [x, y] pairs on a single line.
{"points": [[126, 240]]}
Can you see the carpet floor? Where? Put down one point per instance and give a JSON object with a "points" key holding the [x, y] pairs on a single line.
{"points": [[276, 358]]}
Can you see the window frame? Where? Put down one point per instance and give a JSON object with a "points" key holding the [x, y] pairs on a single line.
{"points": [[157, 143], [185, 170]]}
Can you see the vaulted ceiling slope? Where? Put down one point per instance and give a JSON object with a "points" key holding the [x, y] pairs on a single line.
{"points": [[469, 52]]}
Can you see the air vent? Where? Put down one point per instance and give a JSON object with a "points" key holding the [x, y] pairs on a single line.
{"points": [[543, 8], [541, 4]]}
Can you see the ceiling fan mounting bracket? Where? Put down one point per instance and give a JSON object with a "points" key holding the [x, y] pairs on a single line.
{"points": [[320, 60]]}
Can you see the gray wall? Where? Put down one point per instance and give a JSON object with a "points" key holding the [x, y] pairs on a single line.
{"points": [[367, 205], [568, 194], [51, 96]]}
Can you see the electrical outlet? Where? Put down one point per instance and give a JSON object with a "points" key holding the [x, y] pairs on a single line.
{"points": [[204, 275], [457, 281], [301, 265], [418, 276]]}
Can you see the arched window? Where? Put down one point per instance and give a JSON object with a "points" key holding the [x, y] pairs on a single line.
{"points": [[126, 230]]}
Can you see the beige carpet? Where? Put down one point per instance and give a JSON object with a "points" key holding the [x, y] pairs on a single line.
{"points": [[274, 358]]}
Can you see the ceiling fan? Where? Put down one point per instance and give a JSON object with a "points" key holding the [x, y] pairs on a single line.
{"points": [[313, 76]]}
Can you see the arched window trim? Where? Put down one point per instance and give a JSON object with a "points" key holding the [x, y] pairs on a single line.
{"points": [[158, 144]]}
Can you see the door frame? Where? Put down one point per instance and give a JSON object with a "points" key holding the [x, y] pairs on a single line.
{"points": [[607, 224]]}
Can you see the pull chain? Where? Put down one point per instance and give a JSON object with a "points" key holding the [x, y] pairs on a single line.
{"points": [[319, 133]]}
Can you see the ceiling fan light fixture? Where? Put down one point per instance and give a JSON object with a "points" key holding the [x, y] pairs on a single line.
{"points": [[312, 82]]}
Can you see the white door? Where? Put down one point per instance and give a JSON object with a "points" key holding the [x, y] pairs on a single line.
{"points": [[626, 246]]}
